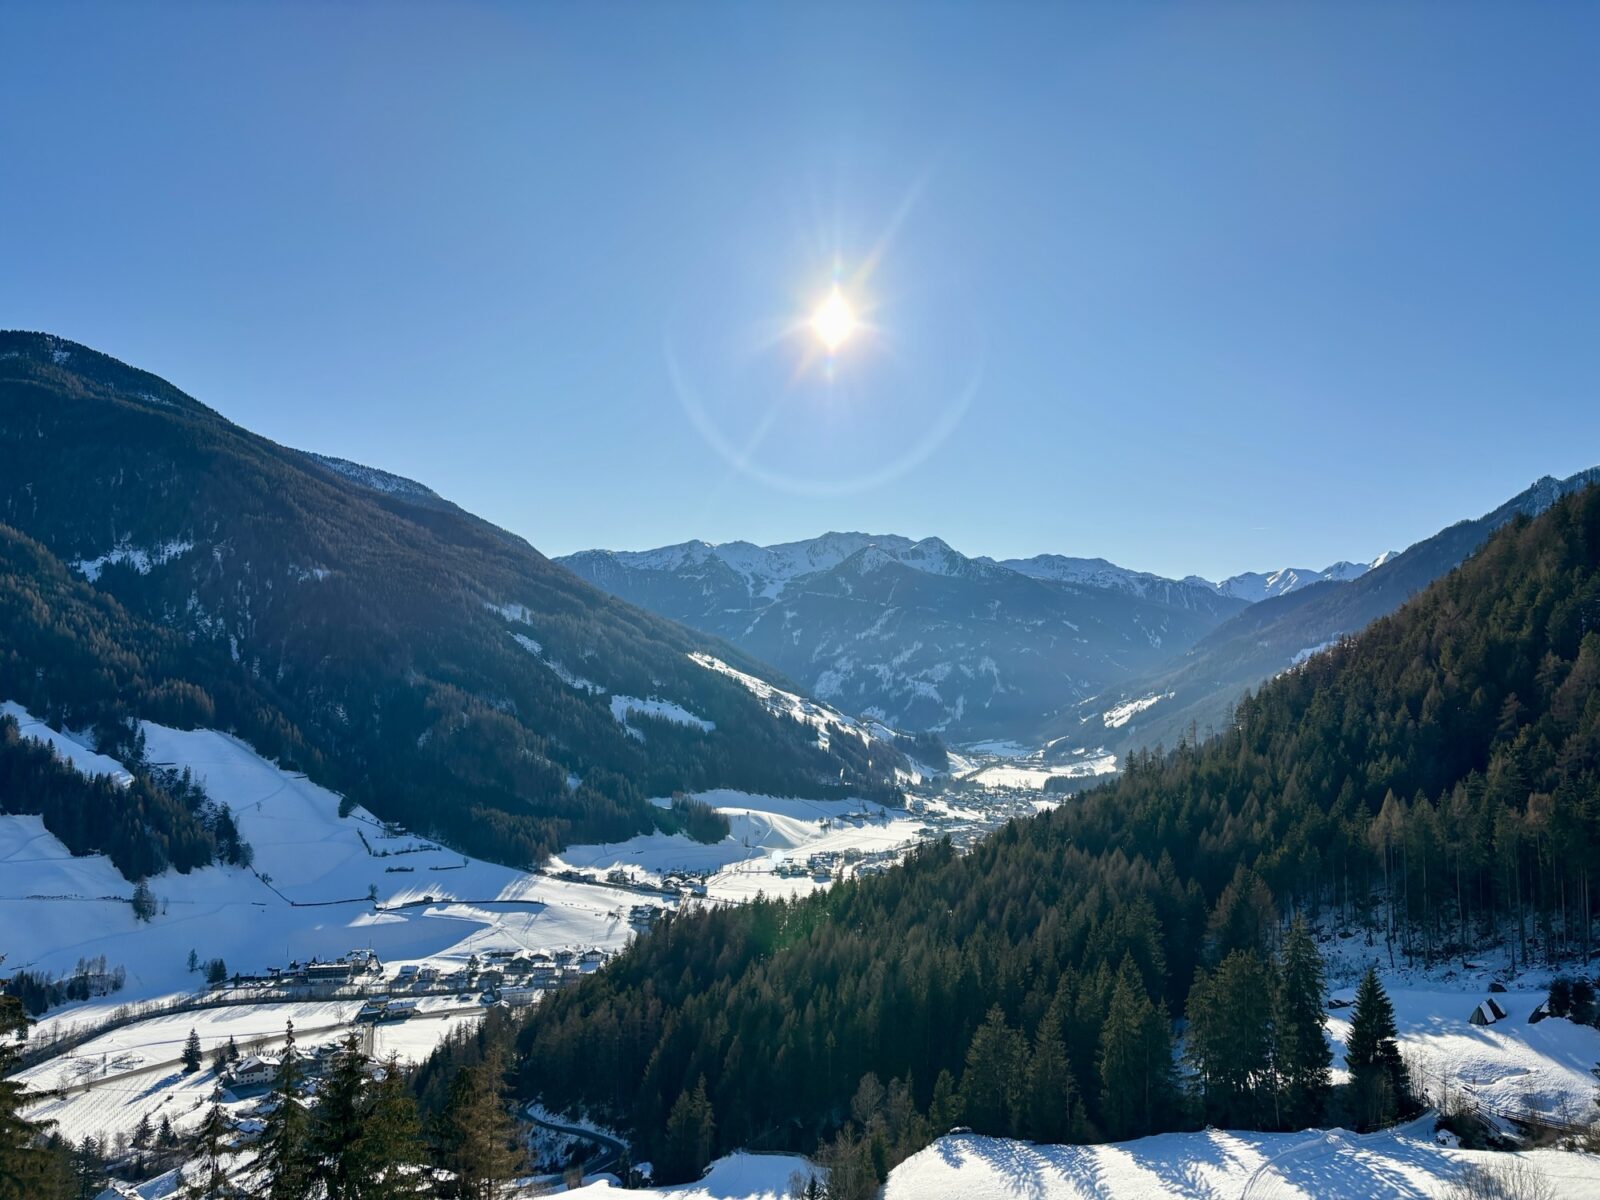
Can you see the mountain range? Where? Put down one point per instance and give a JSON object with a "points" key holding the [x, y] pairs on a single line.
{"points": [[917, 634], [158, 561]]}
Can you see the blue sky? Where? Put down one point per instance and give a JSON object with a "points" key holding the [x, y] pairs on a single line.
{"points": [[1198, 288]]}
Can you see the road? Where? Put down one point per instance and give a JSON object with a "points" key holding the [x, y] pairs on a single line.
{"points": [[165, 1065], [608, 1150]]}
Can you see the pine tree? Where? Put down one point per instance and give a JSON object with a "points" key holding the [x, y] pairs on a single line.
{"points": [[1378, 1085], [191, 1054], [284, 1151], [1135, 1063], [28, 1169], [1229, 1041], [990, 1085], [476, 1134], [144, 903], [336, 1128], [690, 1137], [1051, 1092], [392, 1153], [946, 1107], [1304, 1059], [211, 1182]]}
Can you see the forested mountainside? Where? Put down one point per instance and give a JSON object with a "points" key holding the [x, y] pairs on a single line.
{"points": [[1194, 690], [915, 633], [158, 561], [1433, 783]]}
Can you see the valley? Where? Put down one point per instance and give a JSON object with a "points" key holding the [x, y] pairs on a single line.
{"points": [[526, 852]]}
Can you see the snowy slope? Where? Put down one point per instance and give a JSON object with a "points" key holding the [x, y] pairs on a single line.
{"points": [[1333, 1165], [307, 894]]}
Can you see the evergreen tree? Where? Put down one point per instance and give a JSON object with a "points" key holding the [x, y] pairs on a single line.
{"points": [[1378, 1086], [1229, 1040], [1051, 1097], [1304, 1059], [191, 1053], [392, 1153], [476, 1134], [1135, 1063], [28, 1169], [690, 1136], [991, 1084], [210, 1180], [336, 1143], [144, 903], [946, 1108], [284, 1151]]}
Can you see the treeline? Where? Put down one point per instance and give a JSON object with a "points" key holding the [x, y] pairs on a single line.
{"points": [[153, 822], [1477, 700], [39, 991]]}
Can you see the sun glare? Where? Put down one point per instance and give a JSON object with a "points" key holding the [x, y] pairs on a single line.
{"points": [[834, 321]]}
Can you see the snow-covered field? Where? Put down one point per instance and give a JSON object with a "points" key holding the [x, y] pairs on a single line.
{"points": [[306, 897], [1509, 1067], [765, 832], [1331, 1165], [1031, 772]]}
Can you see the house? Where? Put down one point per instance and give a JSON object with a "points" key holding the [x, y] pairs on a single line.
{"points": [[1488, 1013], [517, 997], [399, 1010], [591, 958], [253, 1070]]}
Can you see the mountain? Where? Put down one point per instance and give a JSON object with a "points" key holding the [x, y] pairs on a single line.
{"points": [[1429, 783], [1197, 687], [914, 633], [1254, 586], [158, 561]]}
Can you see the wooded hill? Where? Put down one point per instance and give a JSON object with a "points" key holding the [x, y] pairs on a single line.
{"points": [[157, 561], [1434, 782]]}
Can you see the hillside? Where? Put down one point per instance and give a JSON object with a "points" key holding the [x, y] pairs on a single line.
{"points": [[1196, 689], [1429, 784], [915, 633], [157, 561]]}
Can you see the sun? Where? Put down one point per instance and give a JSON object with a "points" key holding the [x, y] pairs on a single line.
{"points": [[834, 321]]}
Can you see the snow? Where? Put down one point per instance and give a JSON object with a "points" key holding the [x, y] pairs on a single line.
{"points": [[567, 677], [827, 721], [374, 479], [141, 560], [764, 832], [665, 710], [315, 904], [1300, 656], [1028, 775], [69, 749], [740, 1176], [1331, 1165], [1119, 716], [1004, 748], [1510, 1067]]}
